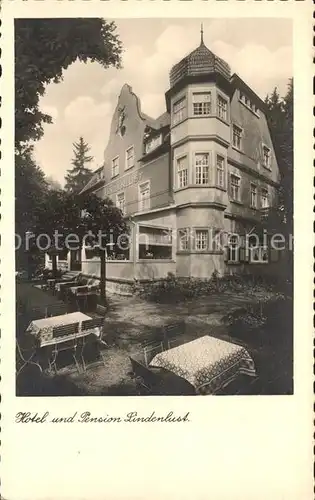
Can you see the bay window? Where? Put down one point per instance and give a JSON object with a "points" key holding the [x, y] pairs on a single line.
{"points": [[201, 239], [220, 171], [201, 103], [222, 108], [182, 171], [179, 110], [202, 168]]}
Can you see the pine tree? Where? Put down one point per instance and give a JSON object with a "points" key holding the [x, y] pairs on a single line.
{"points": [[80, 174], [280, 119]]}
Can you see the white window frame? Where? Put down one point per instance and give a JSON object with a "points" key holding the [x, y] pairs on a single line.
{"points": [[181, 114], [113, 165], [141, 207], [222, 170], [183, 237], [222, 98], [205, 106], [252, 185], [248, 104], [126, 157], [264, 195], [233, 198], [153, 143], [177, 171], [240, 147], [230, 248], [268, 164], [118, 195], [260, 251], [204, 169], [203, 240]]}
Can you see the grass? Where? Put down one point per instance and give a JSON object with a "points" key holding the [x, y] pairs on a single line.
{"points": [[130, 321]]}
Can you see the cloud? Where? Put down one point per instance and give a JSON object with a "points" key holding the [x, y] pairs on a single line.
{"points": [[83, 103], [84, 114]]}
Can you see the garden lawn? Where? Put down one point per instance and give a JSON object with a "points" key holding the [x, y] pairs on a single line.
{"points": [[131, 321]]}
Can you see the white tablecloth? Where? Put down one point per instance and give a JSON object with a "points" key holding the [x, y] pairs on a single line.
{"points": [[43, 328], [209, 364]]}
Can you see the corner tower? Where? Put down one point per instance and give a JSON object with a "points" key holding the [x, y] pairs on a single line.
{"points": [[198, 101]]}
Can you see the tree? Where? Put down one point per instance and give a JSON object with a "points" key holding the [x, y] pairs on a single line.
{"points": [[44, 48], [280, 119], [53, 184], [79, 175], [79, 216]]}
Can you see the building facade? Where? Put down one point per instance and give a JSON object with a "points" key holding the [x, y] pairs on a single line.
{"points": [[193, 182]]}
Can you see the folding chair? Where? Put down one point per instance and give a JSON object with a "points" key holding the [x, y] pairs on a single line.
{"points": [[145, 378], [65, 338], [92, 325], [173, 331], [27, 357], [56, 310], [151, 349]]}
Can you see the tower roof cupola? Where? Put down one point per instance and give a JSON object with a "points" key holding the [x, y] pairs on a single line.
{"points": [[200, 61]]}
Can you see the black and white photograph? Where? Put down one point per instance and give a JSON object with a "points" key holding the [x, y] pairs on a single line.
{"points": [[154, 206]]}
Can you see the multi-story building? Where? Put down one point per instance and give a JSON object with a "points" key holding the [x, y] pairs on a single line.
{"points": [[205, 169]]}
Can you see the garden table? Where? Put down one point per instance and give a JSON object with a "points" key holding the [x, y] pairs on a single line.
{"points": [[42, 329], [207, 363]]}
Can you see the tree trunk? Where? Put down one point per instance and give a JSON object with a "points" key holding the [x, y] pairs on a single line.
{"points": [[103, 276], [54, 264]]}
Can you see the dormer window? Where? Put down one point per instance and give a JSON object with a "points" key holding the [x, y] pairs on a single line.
{"points": [[201, 103], [266, 157], [248, 103], [153, 143]]}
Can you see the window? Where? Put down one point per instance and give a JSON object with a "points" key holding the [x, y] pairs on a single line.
{"points": [[183, 239], [92, 253], [220, 171], [121, 202], [237, 137], [222, 108], [202, 168], [130, 157], [144, 196], [153, 143], [155, 243], [258, 255], [253, 196], [264, 198], [266, 157], [182, 171], [201, 103], [201, 242], [249, 104], [115, 166], [235, 187], [233, 248], [179, 110]]}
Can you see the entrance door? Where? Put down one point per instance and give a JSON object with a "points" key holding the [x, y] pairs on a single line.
{"points": [[75, 260]]}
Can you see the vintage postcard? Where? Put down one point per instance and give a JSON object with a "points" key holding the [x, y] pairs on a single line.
{"points": [[156, 228]]}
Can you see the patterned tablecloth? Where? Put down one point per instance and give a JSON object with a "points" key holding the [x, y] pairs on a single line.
{"points": [[43, 328], [209, 364], [77, 290]]}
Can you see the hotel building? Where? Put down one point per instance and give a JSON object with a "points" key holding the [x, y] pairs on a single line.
{"points": [[200, 173]]}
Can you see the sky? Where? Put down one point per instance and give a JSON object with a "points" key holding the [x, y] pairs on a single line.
{"points": [[259, 50]]}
